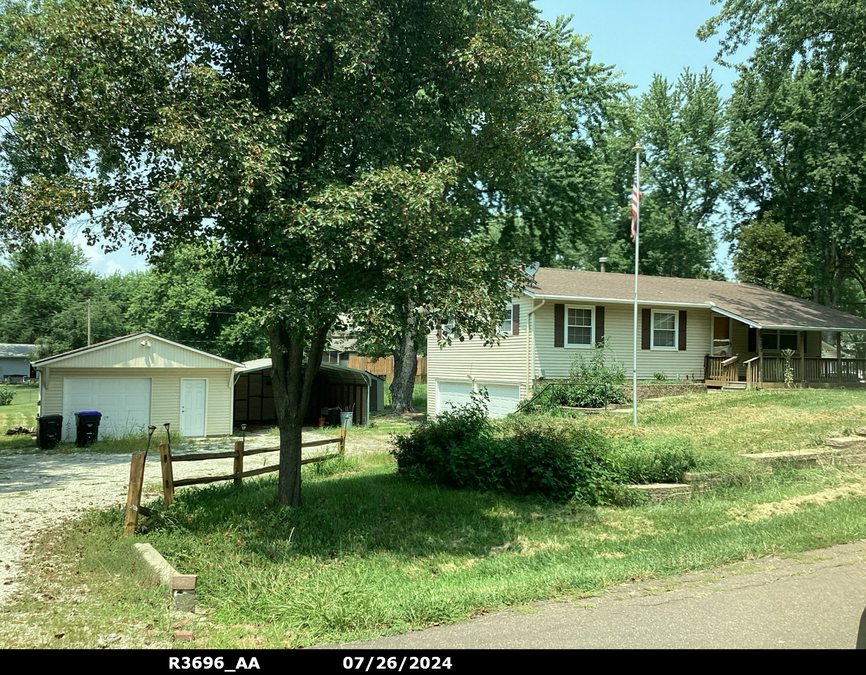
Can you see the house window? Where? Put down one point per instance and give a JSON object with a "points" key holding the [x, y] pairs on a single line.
{"points": [[777, 340], [578, 327], [664, 330], [507, 317]]}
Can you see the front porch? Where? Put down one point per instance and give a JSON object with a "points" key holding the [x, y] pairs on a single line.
{"points": [[769, 371]]}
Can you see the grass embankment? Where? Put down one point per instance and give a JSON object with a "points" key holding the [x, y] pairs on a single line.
{"points": [[369, 554]]}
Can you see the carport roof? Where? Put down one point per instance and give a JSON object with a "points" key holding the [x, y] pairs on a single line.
{"points": [[336, 373]]}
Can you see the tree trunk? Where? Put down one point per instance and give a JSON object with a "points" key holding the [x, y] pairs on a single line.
{"points": [[292, 382], [405, 367], [405, 364]]}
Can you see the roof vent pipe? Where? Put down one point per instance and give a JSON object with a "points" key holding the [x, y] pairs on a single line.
{"points": [[601, 262]]}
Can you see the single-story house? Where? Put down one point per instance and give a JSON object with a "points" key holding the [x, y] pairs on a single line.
{"points": [[715, 331], [137, 380], [15, 362], [334, 386]]}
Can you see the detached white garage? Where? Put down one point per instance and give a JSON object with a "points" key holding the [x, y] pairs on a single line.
{"points": [[137, 380]]}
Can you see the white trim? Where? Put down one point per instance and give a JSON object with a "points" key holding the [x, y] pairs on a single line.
{"points": [[664, 348], [136, 336], [731, 315], [180, 403], [579, 345], [816, 328], [620, 301]]}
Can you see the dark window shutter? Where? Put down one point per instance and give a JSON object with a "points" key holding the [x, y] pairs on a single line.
{"points": [[559, 325], [599, 323], [515, 319], [439, 334], [682, 347], [753, 340], [645, 328]]}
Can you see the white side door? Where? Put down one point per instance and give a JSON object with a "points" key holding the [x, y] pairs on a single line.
{"points": [[193, 407]]}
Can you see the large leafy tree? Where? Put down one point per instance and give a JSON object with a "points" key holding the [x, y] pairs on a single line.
{"points": [[313, 142], [682, 130], [182, 298], [44, 296], [798, 128]]}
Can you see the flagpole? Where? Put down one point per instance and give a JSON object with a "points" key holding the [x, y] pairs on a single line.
{"points": [[635, 231]]}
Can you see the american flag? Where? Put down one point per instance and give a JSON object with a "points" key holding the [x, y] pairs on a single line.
{"points": [[635, 197]]}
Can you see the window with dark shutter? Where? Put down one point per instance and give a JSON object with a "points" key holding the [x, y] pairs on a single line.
{"points": [[645, 328], [559, 325], [682, 328], [599, 323], [515, 319]]}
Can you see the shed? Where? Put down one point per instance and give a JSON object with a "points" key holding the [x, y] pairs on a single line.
{"points": [[137, 380], [334, 386], [15, 362]]}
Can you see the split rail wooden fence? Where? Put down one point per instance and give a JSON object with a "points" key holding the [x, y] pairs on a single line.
{"points": [[166, 461]]}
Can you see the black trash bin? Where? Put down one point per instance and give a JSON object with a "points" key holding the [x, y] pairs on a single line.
{"points": [[333, 417], [87, 427], [48, 430]]}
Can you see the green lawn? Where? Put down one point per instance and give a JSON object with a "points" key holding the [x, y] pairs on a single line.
{"points": [[368, 553], [20, 413]]}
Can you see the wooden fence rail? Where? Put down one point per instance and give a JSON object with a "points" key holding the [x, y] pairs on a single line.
{"points": [[166, 461]]}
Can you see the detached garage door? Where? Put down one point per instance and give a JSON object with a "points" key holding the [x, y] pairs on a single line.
{"points": [[123, 402]]}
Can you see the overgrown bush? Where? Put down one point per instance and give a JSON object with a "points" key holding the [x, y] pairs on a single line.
{"points": [[6, 396], [593, 381], [461, 448], [657, 460]]}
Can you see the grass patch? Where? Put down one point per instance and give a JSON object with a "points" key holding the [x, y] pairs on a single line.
{"points": [[748, 421], [370, 554], [20, 413]]}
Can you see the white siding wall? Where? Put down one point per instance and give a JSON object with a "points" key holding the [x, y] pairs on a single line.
{"points": [[165, 393], [618, 327], [471, 361]]}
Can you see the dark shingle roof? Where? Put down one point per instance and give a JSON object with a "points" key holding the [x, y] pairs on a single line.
{"points": [[753, 304]]}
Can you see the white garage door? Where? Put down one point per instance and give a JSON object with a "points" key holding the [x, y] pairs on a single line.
{"points": [[123, 402], [453, 393], [503, 398]]}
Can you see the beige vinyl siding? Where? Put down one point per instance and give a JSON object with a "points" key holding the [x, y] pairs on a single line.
{"points": [[470, 361], [165, 392], [132, 354], [618, 327]]}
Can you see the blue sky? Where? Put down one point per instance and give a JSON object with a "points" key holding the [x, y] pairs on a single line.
{"points": [[639, 37]]}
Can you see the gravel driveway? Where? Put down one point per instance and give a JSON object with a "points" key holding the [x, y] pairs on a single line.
{"points": [[39, 491]]}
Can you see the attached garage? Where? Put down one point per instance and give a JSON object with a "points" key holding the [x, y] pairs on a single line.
{"points": [[502, 398], [138, 380]]}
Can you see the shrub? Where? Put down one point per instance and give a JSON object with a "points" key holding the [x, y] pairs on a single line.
{"points": [[6, 396], [660, 377], [527, 457], [594, 381], [658, 460]]}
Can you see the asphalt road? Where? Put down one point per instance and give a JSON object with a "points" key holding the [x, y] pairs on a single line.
{"points": [[813, 601]]}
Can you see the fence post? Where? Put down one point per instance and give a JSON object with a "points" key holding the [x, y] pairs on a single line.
{"points": [[239, 462], [133, 496], [342, 443], [167, 474]]}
